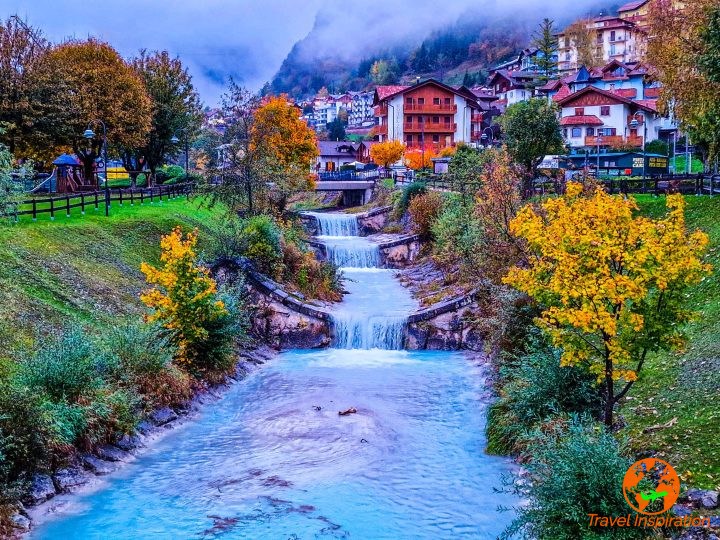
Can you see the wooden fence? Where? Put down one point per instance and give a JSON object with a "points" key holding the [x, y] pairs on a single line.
{"points": [[97, 199], [688, 184]]}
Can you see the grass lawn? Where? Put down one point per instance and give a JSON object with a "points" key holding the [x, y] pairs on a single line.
{"points": [[82, 269], [682, 389]]}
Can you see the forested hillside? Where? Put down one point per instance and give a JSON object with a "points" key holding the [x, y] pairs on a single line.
{"points": [[457, 53]]}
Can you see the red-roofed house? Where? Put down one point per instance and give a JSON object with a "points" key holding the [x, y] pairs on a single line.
{"points": [[592, 117], [429, 113]]}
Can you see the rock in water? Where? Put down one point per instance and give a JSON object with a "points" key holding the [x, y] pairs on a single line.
{"points": [[41, 489], [351, 410]]}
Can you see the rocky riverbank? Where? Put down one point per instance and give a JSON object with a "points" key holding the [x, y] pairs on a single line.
{"points": [[52, 492]]}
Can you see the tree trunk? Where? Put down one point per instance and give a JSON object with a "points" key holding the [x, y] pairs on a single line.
{"points": [[609, 392]]}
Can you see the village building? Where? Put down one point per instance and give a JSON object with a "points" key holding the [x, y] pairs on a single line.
{"points": [[429, 114], [360, 113]]}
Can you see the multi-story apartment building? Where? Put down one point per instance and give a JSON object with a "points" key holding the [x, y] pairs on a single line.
{"points": [[613, 39], [512, 86], [361, 113], [429, 114]]}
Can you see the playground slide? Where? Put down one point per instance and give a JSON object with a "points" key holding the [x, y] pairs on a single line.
{"points": [[49, 185]]}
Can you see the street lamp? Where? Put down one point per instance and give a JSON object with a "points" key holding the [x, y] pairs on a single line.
{"points": [[484, 136], [89, 134], [634, 124], [175, 140]]}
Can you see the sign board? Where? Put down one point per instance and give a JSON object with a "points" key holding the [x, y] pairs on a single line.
{"points": [[550, 162]]}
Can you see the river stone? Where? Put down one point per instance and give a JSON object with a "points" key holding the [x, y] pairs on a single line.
{"points": [[702, 498], [128, 442], [20, 522], [681, 511], [163, 416], [145, 426], [66, 479], [96, 465], [111, 453], [41, 489]]}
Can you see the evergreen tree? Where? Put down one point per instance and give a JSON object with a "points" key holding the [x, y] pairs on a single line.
{"points": [[547, 45]]}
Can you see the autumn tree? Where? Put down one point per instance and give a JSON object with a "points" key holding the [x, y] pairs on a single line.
{"points": [[611, 284], [184, 300], [288, 144], [175, 111], [582, 37], [531, 130], [23, 95], [684, 47], [547, 45], [418, 158], [95, 83], [386, 153]]}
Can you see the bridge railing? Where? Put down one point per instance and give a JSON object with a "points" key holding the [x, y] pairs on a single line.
{"points": [[348, 175]]}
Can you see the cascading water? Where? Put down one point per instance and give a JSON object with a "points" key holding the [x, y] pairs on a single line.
{"points": [[273, 459], [364, 320]]}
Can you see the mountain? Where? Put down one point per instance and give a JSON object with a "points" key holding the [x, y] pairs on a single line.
{"points": [[462, 51]]}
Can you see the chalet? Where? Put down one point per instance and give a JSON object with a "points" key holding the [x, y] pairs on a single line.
{"points": [[592, 117], [512, 86], [427, 114], [335, 154]]}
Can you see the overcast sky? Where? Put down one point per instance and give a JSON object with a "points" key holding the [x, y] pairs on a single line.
{"points": [[248, 39]]}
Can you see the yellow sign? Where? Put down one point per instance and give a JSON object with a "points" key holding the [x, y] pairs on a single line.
{"points": [[658, 162]]}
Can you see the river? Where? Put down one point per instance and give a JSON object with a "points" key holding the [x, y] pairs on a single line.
{"points": [[273, 459]]}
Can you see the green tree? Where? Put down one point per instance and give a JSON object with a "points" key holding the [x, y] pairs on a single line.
{"points": [[547, 45], [175, 111], [382, 72], [336, 130], [531, 130]]}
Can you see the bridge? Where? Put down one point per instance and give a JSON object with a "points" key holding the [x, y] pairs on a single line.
{"points": [[356, 186]]}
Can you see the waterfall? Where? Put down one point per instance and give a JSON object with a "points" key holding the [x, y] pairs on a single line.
{"points": [[365, 319]]}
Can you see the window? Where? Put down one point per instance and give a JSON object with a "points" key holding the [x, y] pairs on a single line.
{"points": [[447, 119], [436, 119], [590, 132], [576, 132], [447, 101], [421, 101], [565, 132], [605, 110], [436, 138], [409, 119], [409, 100], [579, 111], [612, 35], [436, 101], [408, 139]]}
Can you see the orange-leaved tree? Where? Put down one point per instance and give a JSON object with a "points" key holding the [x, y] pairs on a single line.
{"points": [[610, 283], [417, 158], [386, 153], [288, 146], [184, 300]]}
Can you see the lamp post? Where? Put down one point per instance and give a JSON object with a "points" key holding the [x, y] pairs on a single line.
{"points": [[484, 136], [634, 124], [89, 134], [175, 140]]}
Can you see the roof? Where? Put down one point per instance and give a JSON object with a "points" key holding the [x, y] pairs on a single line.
{"points": [[333, 148], [630, 93], [383, 92], [648, 105], [586, 120], [631, 6], [562, 93], [66, 159]]}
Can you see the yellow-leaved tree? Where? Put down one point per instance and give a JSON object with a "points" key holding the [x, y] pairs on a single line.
{"points": [[184, 300], [417, 158], [610, 283], [386, 153]]}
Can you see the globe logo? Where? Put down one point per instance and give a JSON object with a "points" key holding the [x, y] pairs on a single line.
{"points": [[651, 486]]}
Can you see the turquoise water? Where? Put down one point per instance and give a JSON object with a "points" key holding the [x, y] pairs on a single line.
{"points": [[263, 463], [274, 460]]}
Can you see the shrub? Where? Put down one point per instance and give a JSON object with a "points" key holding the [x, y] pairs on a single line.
{"points": [[141, 180], [141, 361], [408, 193], [536, 389], [263, 243], [458, 236], [577, 469], [161, 176], [64, 369], [424, 211], [184, 300], [24, 438], [315, 279], [173, 171]]}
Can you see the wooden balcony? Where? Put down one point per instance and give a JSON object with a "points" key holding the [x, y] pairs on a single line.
{"points": [[441, 108], [380, 110], [429, 127], [476, 118], [381, 129], [614, 140]]}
